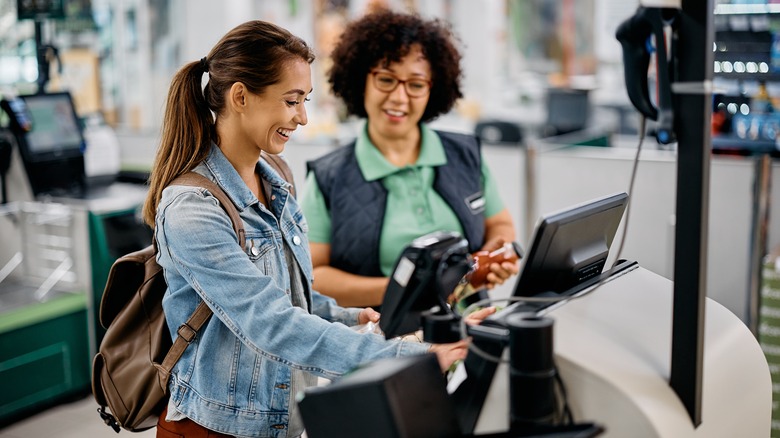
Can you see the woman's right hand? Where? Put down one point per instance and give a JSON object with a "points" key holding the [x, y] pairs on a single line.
{"points": [[449, 353]]}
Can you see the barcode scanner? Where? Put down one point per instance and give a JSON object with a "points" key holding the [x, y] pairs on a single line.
{"points": [[636, 36]]}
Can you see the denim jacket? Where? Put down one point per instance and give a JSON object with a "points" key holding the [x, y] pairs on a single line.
{"points": [[238, 375]]}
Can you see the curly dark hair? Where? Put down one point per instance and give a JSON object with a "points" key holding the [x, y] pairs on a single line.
{"points": [[385, 37]]}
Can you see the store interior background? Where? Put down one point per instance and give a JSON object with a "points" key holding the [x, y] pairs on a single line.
{"points": [[117, 57]]}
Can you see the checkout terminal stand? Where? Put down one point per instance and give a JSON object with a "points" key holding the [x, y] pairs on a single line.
{"points": [[611, 348], [613, 351], [49, 328]]}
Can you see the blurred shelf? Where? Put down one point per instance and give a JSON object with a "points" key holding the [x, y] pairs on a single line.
{"points": [[747, 9], [733, 145]]}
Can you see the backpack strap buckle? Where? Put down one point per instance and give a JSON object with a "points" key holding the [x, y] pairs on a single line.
{"points": [[108, 419], [186, 332]]}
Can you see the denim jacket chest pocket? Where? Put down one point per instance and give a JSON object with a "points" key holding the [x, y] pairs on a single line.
{"points": [[266, 236], [298, 231], [260, 252]]}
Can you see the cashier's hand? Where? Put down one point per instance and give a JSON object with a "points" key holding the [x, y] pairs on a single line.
{"points": [[368, 315], [449, 353], [499, 272]]}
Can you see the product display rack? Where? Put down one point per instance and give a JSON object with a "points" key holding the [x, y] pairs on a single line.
{"points": [[747, 52]]}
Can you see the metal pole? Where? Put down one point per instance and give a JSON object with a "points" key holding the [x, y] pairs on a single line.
{"points": [[758, 237], [40, 55], [692, 113], [530, 151]]}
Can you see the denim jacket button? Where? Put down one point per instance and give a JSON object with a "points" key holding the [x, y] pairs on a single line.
{"points": [[296, 240], [255, 251]]}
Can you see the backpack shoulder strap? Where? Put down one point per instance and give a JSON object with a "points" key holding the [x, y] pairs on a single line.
{"points": [[185, 335], [188, 330], [194, 179], [281, 167]]}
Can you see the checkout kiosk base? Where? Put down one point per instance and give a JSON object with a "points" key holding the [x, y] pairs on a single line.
{"points": [[612, 348], [613, 352]]}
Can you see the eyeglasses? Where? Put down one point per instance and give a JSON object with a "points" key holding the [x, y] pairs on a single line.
{"points": [[387, 83]]}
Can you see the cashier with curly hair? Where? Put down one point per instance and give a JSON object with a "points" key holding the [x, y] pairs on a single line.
{"points": [[399, 179]]}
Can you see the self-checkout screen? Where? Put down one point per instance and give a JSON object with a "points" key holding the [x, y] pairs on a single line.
{"points": [[55, 127]]}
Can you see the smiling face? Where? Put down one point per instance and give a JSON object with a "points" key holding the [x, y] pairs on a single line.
{"points": [[272, 116], [394, 115]]}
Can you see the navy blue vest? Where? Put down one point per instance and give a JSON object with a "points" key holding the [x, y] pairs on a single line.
{"points": [[357, 206]]}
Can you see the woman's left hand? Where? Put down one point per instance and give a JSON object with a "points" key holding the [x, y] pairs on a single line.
{"points": [[368, 315]]}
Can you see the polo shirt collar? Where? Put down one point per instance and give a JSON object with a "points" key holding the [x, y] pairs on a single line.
{"points": [[375, 166]]}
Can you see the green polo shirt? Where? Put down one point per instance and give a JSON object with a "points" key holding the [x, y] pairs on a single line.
{"points": [[413, 206]]}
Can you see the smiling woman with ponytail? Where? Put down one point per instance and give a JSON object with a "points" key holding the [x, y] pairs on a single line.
{"points": [[270, 335]]}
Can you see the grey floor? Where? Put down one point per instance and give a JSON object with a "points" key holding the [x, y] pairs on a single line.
{"points": [[77, 419]]}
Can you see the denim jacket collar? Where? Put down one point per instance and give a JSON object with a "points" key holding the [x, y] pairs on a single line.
{"points": [[228, 178]]}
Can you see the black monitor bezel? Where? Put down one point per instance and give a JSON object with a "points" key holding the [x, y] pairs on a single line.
{"points": [[536, 266], [72, 151], [40, 10], [470, 396]]}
